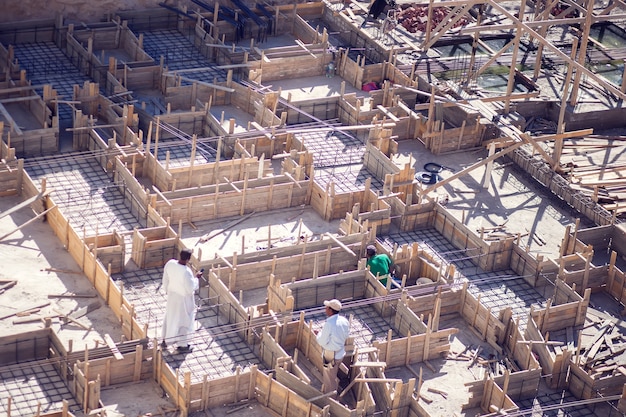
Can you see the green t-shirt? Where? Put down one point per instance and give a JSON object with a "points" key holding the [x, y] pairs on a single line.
{"points": [[379, 265]]}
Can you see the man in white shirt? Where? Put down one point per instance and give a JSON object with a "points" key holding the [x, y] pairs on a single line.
{"points": [[332, 339], [180, 285]]}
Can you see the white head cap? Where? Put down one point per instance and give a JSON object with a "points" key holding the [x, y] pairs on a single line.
{"points": [[334, 304]]}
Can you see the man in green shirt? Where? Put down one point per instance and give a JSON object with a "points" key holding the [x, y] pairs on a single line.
{"points": [[380, 265]]}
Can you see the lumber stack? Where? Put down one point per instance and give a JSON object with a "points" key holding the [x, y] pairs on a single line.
{"points": [[604, 354], [583, 163]]}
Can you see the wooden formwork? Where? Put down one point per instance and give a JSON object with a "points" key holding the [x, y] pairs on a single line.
{"points": [[87, 260], [154, 246], [281, 399], [229, 197], [87, 49], [395, 396], [413, 263], [196, 95], [555, 366], [495, 398], [109, 249], [371, 209], [487, 326], [419, 342], [585, 386], [85, 371], [502, 333], [306, 293], [580, 273], [298, 336], [11, 174], [616, 281], [228, 306], [121, 119], [41, 137], [302, 260], [90, 376], [7, 60], [300, 386], [577, 241], [166, 178], [560, 186], [489, 256], [241, 386], [304, 65], [531, 266], [24, 347]]}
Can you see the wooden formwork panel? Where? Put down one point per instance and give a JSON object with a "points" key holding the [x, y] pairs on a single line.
{"points": [[450, 303], [415, 348], [564, 294], [522, 384], [282, 400], [596, 277], [257, 274], [303, 31], [244, 97], [102, 38], [581, 384], [229, 204], [560, 317], [295, 67], [270, 351], [216, 172], [542, 352], [312, 292], [494, 396], [226, 390], [481, 318], [407, 322], [228, 306], [616, 284], [132, 368], [36, 142], [305, 390], [524, 264], [288, 334], [23, 347]]}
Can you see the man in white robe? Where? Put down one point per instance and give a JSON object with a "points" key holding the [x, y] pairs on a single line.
{"points": [[180, 285]]}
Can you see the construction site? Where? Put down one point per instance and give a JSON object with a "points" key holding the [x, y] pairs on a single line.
{"points": [[478, 143]]}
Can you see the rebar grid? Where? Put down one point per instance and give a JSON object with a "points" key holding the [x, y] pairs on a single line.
{"points": [[45, 63], [33, 389], [497, 289], [85, 194], [215, 355], [178, 53]]}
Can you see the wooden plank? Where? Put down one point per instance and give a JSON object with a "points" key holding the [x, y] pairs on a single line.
{"points": [[24, 203], [111, 344], [28, 309]]}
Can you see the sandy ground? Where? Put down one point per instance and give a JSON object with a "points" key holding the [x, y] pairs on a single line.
{"points": [[511, 198], [33, 256], [37, 260]]}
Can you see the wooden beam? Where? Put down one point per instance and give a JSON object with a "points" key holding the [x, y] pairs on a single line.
{"points": [[470, 168], [9, 119], [43, 213], [113, 347], [25, 203], [191, 80], [557, 51], [341, 245]]}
